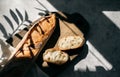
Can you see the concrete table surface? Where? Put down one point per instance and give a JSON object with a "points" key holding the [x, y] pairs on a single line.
{"points": [[103, 41]]}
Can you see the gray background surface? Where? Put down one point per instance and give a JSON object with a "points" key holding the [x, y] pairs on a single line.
{"points": [[103, 16]]}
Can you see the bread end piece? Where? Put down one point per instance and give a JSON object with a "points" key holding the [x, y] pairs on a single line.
{"points": [[55, 56], [71, 42]]}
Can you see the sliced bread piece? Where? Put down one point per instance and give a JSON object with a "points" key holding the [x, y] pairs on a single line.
{"points": [[71, 42], [55, 56]]}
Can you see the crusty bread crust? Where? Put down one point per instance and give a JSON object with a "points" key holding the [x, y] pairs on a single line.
{"points": [[35, 39], [55, 56], [71, 42]]}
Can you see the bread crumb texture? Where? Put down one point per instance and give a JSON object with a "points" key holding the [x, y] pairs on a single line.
{"points": [[55, 56], [70, 42]]}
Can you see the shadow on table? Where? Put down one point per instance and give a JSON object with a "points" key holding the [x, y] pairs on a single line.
{"points": [[20, 20], [104, 35], [82, 24], [100, 72], [17, 67]]}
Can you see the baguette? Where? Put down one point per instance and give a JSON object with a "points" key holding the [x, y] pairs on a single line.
{"points": [[55, 56], [35, 39], [71, 42]]}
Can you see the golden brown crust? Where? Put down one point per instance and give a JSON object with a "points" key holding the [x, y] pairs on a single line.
{"points": [[36, 37]]}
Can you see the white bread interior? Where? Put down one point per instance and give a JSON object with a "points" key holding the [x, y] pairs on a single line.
{"points": [[55, 56], [71, 42]]}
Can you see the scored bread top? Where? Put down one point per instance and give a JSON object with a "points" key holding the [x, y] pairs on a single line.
{"points": [[71, 42], [36, 37]]}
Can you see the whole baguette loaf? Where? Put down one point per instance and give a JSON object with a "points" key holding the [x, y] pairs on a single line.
{"points": [[71, 42], [55, 56], [35, 39]]}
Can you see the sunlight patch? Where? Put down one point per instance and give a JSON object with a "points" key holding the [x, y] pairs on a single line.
{"points": [[93, 61], [114, 16]]}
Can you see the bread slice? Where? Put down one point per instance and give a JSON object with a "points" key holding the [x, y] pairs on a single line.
{"points": [[55, 56], [71, 42], [37, 36]]}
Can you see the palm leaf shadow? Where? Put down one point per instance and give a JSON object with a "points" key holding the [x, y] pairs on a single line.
{"points": [[14, 16], [40, 13], [19, 14], [23, 19], [46, 11], [3, 31], [9, 22], [26, 15], [42, 5], [27, 18], [17, 17]]}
